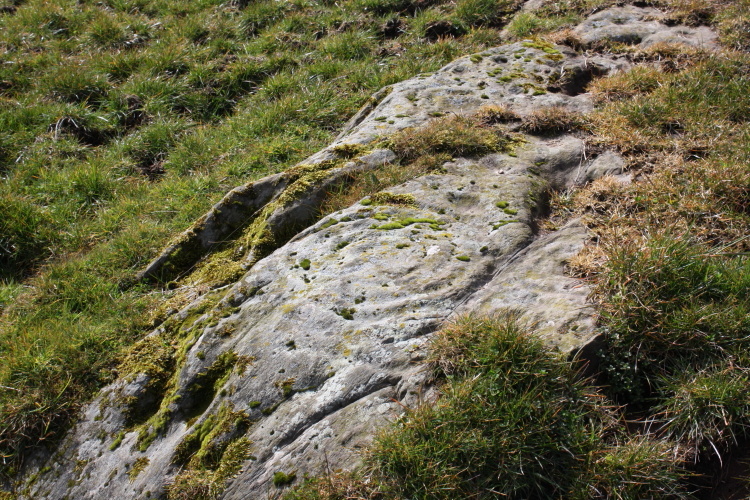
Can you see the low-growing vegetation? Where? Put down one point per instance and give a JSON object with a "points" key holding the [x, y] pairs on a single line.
{"points": [[122, 122], [514, 419]]}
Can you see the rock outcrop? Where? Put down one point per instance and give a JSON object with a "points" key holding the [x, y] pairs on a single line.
{"points": [[293, 367]]}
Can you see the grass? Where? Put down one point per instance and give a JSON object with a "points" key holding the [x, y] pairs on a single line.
{"points": [[551, 120], [513, 419], [671, 265], [124, 122], [476, 438]]}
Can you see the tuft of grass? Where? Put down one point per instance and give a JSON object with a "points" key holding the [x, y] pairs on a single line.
{"points": [[708, 410], [551, 120], [640, 80], [485, 12], [677, 322], [641, 467], [448, 451], [527, 24], [476, 438], [453, 135]]}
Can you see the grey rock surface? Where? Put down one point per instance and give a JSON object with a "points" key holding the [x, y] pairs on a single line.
{"points": [[320, 342], [643, 27]]}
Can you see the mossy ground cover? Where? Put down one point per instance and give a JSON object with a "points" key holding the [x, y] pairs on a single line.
{"points": [[121, 122]]}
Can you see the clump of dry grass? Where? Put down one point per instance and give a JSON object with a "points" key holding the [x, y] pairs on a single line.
{"points": [[494, 114], [640, 80], [566, 37], [338, 486], [454, 135], [551, 120]]}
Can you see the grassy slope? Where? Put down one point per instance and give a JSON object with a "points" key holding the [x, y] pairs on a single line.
{"points": [[123, 121]]}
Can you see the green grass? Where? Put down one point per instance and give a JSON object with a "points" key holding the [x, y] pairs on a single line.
{"points": [[513, 419], [674, 300], [677, 333], [122, 122], [477, 438]]}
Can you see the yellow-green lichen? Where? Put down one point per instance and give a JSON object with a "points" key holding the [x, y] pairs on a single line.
{"points": [[204, 447], [542, 45], [220, 268], [347, 151], [281, 479], [118, 439], [204, 388], [259, 238]]}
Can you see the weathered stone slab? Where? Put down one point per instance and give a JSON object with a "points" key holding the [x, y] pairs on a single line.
{"points": [[325, 334]]}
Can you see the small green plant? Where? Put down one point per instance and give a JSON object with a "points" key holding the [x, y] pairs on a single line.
{"points": [[347, 313], [305, 264], [463, 258], [281, 479], [137, 468]]}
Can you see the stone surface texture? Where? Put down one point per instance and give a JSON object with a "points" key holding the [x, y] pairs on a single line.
{"points": [[332, 325]]}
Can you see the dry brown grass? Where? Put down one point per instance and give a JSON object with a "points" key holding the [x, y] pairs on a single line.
{"points": [[566, 37], [454, 134], [338, 486], [551, 120], [494, 114], [640, 80]]}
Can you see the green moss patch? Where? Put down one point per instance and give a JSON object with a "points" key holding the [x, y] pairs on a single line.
{"points": [[407, 221], [211, 454], [385, 198]]}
